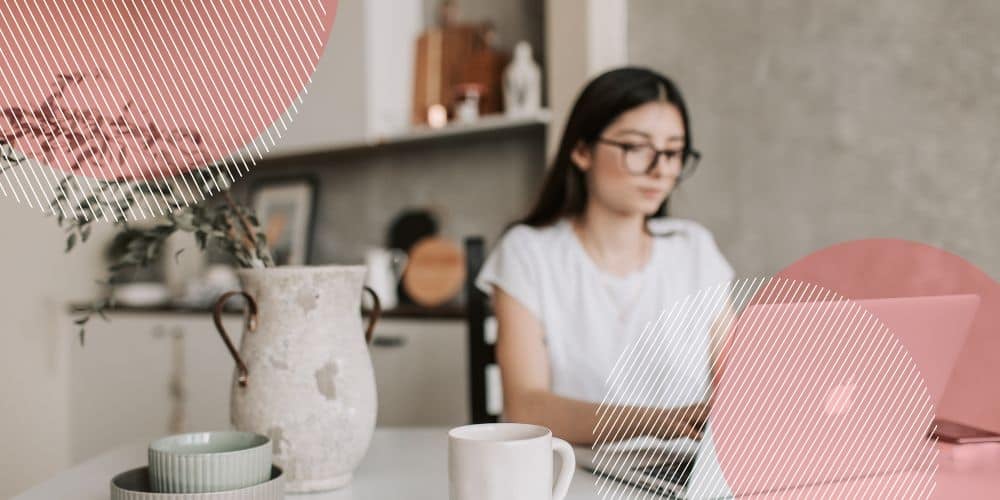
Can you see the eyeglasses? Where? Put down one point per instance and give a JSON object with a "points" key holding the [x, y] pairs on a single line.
{"points": [[641, 159]]}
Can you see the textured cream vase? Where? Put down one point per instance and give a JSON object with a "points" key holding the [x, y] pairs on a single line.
{"points": [[309, 380]]}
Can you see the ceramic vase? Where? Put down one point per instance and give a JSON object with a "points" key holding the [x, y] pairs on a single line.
{"points": [[303, 372]]}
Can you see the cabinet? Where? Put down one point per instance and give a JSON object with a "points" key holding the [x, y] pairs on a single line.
{"points": [[149, 374], [421, 372], [143, 375]]}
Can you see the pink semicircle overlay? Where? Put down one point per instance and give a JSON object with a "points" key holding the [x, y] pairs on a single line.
{"points": [[839, 366], [150, 89]]}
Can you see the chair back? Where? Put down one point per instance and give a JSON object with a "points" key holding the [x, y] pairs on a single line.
{"points": [[484, 374]]}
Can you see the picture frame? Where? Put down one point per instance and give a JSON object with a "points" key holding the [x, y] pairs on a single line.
{"points": [[286, 210]]}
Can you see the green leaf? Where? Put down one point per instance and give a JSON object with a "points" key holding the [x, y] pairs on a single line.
{"points": [[70, 242]]}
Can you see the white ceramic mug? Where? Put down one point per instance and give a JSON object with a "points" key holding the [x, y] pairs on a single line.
{"points": [[505, 461]]}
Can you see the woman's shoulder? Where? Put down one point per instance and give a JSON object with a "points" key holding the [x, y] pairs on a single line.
{"points": [[522, 257]]}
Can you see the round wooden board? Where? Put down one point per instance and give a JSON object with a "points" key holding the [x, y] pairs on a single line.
{"points": [[435, 271]]}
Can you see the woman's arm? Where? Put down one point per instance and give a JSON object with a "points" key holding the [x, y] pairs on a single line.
{"points": [[527, 396]]}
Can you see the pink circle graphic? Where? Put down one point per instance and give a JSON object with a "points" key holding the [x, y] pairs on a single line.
{"points": [[140, 90]]}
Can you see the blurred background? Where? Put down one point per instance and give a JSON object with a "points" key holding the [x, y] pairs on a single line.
{"points": [[820, 122]]}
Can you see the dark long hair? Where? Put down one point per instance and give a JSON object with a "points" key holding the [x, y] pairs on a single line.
{"points": [[604, 99]]}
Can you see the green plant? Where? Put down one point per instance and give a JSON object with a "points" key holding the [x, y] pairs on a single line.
{"points": [[219, 222]]}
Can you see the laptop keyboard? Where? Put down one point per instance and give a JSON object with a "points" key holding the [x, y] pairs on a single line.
{"points": [[674, 472]]}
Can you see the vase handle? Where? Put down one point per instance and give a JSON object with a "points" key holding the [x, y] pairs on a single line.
{"points": [[373, 315], [251, 326]]}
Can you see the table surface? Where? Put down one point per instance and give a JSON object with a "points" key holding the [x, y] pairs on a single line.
{"points": [[415, 461], [410, 460]]}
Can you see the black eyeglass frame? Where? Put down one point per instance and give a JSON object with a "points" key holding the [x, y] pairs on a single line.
{"points": [[689, 160]]}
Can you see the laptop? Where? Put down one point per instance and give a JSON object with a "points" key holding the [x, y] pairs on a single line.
{"points": [[837, 414]]}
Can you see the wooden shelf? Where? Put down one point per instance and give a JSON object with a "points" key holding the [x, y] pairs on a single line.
{"points": [[485, 125], [403, 311]]}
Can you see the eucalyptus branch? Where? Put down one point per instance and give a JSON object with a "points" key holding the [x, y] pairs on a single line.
{"points": [[8, 156], [251, 230]]}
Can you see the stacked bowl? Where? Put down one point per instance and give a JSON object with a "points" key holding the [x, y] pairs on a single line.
{"points": [[223, 465]]}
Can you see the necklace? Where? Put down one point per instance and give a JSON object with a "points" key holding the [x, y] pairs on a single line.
{"points": [[622, 299]]}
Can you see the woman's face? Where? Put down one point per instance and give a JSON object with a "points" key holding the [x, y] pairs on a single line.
{"points": [[656, 125]]}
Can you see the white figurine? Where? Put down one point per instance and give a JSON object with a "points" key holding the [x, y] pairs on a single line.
{"points": [[522, 83]]}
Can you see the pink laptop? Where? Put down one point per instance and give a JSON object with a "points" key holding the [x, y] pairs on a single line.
{"points": [[817, 391]]}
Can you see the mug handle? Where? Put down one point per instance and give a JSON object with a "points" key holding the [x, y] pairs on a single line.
{"points": [[373, 315], [251, 326], [566, 468]]}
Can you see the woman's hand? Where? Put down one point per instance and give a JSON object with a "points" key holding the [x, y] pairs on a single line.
{"points": [[684, 421]]}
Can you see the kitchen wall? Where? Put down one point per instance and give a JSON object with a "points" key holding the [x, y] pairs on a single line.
{"points": [[38, 282], [829, 121], [474, 185]]}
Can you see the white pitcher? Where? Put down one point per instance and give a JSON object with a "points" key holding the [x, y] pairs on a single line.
{"points": [[303, 372], [385, 267]]}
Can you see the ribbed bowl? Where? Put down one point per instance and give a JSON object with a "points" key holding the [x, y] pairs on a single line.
{"points": [[135, 485], [204, 462]]}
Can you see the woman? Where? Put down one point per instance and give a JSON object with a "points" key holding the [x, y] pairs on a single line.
{"points": [[596, 259]]}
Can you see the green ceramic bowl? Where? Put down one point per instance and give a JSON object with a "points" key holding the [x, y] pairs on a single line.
{"points": [[135, 485], [204, 462]]}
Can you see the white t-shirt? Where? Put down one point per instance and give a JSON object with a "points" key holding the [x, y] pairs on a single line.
{"points": [[590, 316]]}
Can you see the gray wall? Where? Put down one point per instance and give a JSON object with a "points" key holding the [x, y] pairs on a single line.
{"points": [[827, 121]]}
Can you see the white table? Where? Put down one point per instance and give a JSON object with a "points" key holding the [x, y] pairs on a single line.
{"points": [[413, 463], [407, 463]]}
